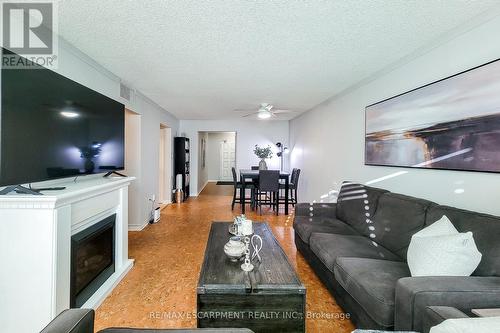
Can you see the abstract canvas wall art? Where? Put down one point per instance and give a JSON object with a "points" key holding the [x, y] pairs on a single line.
{"points": [[451, 124]]}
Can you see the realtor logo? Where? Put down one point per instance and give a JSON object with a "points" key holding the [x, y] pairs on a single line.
{"points": [[29, 30]]}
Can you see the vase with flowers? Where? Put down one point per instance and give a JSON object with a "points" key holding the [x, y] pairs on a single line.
{"points": [[263, 153], [88, 153]]}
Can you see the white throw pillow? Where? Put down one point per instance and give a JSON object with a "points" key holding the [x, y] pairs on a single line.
{"points": [[440, 250], [468, 325], [441, 227]]}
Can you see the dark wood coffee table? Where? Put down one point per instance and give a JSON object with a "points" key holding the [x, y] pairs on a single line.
{"points": [[271, 298]]}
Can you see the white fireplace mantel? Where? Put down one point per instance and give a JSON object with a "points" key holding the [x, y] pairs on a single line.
{"points": [[35, 247]]}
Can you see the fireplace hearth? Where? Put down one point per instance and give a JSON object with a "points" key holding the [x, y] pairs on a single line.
{"points": [[92, 259]]}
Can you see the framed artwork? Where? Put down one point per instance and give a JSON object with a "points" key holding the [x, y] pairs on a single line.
{"points": [[452, 124]]}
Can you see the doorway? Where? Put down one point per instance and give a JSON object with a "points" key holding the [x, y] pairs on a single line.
{"points": [[227, 160], [133, 167], [165, 166], [216, 157], [221, 155]]}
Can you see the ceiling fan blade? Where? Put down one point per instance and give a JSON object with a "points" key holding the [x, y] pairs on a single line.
{"points": [[248, 115], [283, 111], [243, 110]]}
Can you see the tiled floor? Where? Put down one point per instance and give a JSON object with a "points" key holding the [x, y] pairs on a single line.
{"points": [[160, 290]]}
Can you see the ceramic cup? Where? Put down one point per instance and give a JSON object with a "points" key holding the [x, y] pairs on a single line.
{"points": [[246, 227]]}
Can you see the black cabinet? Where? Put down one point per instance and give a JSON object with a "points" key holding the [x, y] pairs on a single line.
{"points": [[181, 163]]}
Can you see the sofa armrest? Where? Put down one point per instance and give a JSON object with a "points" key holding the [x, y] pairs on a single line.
{"points": [[318, 209], [414, 294], [435, 315], [174, 330], [72, 321]]}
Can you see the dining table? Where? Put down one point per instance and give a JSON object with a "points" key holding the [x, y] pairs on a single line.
{"points": [[246, 175]]}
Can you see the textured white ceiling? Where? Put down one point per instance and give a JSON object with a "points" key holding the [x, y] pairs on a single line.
{"points": [[203, 59]]}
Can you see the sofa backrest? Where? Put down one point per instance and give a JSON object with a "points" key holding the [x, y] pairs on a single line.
{"points": [[390, 219], [486, 232], [354, 202], [397, 218]]}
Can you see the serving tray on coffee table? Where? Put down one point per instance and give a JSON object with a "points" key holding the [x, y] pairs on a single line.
{"points": [[271, 298]]}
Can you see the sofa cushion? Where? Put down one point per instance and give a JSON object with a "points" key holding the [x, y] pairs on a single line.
{"points": [[328, 247], [486, 231], [305, 226], [352, 202], [372, 283], [397, 218]]}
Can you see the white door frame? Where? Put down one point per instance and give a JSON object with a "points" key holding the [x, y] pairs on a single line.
{"points": [[165, 156]]}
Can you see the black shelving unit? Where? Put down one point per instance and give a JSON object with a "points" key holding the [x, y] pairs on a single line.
{"points": [[181, 162]]}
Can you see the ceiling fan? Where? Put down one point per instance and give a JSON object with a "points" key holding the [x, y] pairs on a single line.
{"points": [[70, 109], [265, 111]]}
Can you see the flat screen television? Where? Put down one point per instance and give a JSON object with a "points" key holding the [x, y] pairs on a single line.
{"points": [[52, 127]]}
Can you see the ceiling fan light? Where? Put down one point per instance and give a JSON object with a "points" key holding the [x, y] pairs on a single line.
{"points": [[69, 114], [264, 115]]}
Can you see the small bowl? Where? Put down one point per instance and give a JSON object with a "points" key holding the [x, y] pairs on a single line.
{"points": [[235, 248]]}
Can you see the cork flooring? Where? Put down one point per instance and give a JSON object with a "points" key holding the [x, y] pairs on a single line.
{"points": [[160, 290]]}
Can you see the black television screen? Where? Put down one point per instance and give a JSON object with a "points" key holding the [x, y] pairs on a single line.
{"points": [[52, 127]]}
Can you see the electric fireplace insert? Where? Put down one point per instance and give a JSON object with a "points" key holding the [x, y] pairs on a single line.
{"points": [[92, 259]]}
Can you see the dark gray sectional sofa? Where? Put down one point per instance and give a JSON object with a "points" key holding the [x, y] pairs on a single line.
{"points": [[358, 248]]}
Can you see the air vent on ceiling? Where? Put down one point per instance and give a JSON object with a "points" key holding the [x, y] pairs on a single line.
{"points": [[124, 91]]}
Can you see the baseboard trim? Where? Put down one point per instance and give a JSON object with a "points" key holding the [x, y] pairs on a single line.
{"points": [[203, 187], [137, 227]]}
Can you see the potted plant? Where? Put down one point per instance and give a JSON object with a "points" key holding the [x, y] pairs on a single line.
{"points": [[263, 153]]}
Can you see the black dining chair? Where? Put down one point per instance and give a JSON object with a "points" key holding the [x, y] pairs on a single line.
{"points": [[254, 182], [237, 186], [294, 182], [293, 186], [268, 185]]}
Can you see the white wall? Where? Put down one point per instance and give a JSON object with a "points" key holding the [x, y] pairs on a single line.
{"points": [[328, 142], [248, 134], [213, 152], [79, 67], [202, 170]]}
